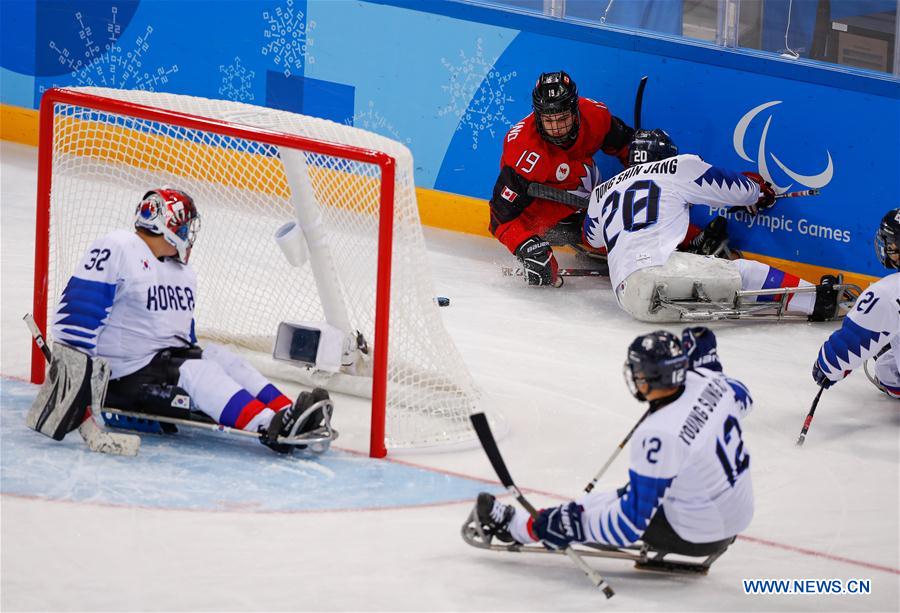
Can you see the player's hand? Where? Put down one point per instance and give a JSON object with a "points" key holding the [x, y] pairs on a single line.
{"points": [[539, 262], [820, 377], [766, 193], [699, 344], [559, 526]]}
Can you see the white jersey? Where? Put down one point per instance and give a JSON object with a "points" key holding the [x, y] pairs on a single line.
{"points": [[872, 323], [124, 305], [642, 214], [689, 458]]}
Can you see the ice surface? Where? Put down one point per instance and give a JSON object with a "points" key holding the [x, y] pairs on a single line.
{"points": [[195, 523]]}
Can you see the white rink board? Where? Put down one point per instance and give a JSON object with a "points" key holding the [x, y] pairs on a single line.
{"points": [[554, 359]]}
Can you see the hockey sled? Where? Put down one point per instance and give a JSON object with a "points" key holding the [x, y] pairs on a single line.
{"points": [[642, 555], [699, 307], [316, 441]]}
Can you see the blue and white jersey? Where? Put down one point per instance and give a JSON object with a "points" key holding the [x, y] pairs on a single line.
{"points": [[873, 322], [642, 214], [124, 305], [688, 457]]}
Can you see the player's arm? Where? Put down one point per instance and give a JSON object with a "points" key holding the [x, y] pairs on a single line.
{"points": [[510, 197], [618, 139], [702, 183], [868, 327], [88, 297], [620, 518]]}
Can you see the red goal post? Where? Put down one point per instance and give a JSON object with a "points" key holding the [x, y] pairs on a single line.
{"points": [[80, 151]]}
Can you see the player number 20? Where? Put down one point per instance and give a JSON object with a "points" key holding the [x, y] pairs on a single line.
{"points": [[641, 198]]}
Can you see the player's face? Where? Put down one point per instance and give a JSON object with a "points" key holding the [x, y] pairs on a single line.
{"points": [[558, 124], [893, 256]]}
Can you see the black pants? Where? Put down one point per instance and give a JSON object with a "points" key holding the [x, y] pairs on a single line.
{"points": [[662, 537], [149, 390]]}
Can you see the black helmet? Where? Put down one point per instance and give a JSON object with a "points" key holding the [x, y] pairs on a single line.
{"points": [[651, 146], [555, 92], [887, 239], [657, 360]]}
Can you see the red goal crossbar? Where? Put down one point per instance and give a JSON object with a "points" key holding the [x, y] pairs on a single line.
{"points": [[386, 163]]}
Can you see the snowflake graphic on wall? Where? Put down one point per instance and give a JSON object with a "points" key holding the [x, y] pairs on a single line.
{"points": [[111, 65], [237, 81], [373, 121], [289, 38], [486, 108]]}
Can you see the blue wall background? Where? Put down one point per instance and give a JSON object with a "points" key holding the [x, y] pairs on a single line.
{"points": [[449, 79]]}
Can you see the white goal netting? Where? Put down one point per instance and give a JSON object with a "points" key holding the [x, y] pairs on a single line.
{"points": [[104, 161]]}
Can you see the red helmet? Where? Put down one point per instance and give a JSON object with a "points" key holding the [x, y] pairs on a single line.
{"points": [[170, 213]]}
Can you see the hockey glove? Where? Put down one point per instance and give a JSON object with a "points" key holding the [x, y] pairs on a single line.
{"points": [[558, 527], [820, 377], [766, 193], [538, 262], [699, 345]]}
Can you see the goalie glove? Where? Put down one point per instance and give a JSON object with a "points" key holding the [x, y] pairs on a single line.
{"points": [[766, 193], [538, 262]]}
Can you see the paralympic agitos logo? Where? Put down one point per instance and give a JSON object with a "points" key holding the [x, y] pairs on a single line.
{"points": [[740, 130]]}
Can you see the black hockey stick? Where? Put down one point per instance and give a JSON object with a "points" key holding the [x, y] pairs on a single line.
{"points": [[600, 473], [809, 417], [547, 192], [486, 437], [639, 102]]}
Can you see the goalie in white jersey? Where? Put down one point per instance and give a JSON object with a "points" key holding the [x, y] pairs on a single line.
{"points": [[872, 327], [641, 215], [689, 490], [131, 302]]}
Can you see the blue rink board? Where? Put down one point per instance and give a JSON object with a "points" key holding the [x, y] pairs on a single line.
{"points": [[196, 470]]}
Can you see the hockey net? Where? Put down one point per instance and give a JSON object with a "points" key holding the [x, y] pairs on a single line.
{"points": [[101, 149]]}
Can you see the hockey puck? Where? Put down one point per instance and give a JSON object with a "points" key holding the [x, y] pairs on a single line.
{"points": [[442, 301]]}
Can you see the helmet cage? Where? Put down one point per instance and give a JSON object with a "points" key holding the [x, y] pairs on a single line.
{"points": [[887, 240], [555, 93], [170, 213]]}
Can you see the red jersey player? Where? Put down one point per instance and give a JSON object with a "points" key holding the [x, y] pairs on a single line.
{"points": [[554, 146]]}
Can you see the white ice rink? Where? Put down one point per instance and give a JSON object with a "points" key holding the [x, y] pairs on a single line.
{"points": [[552, 361]]}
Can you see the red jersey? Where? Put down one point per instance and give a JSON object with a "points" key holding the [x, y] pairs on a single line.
{"points": [[528, 158]]}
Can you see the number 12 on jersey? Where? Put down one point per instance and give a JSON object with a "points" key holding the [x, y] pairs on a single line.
{"points": [[730, 450]]}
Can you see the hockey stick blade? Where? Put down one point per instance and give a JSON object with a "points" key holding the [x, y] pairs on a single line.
{"points": [[547, 192], [639, 102], [489, 444]]}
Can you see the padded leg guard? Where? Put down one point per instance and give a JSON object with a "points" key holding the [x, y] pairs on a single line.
{"points": [[74, 382], [718, 279]]}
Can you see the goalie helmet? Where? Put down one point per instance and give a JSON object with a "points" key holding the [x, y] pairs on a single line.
{"points": [[555, 93], [887, 240], [172, 214], [657, 360], [651, 146]]}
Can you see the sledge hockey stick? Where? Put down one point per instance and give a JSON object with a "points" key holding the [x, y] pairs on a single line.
{"points": [[97, 439], [639, 102], [809, 417], [486, 437], [548, 192], [615, 454], [799, 194], [509, 271]]}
